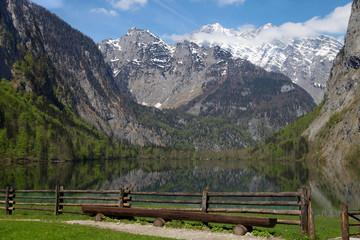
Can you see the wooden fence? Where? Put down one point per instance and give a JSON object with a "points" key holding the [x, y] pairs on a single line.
{"points": [[345, 215], [291, 203]]}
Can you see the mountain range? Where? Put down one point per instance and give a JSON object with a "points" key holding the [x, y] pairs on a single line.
{"points": [[141, 89], [307, 60], [206, 82]]}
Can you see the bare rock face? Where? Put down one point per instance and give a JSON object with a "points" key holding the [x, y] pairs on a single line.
{"points": [[157, 74], [336, 129], [342, 93]]}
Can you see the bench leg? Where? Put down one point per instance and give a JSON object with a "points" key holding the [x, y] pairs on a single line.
{"points": [[239, 230], [99, 217], [159, 222]]}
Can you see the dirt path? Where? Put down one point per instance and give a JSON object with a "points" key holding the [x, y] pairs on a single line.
{"points": [[176, 233]]}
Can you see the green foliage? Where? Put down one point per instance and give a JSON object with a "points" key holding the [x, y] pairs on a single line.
{"points": [[302, 148], [289, 143], [22, 144], [175, 224], [33, 127], [3, 142], [182, 131], [195, 225], [34, 70], [264, 234], [279, 152], [334, 119]]}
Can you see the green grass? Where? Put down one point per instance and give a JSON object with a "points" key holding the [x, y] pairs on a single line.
{"points": [[51, 227], [44, 215], [325, 227], [10, 229]]}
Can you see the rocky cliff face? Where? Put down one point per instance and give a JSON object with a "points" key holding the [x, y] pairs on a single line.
{"points": [[306, 60], [336, 129], [165, 76], [207, 82], [73, 69], [260, 102], [160, 75]]}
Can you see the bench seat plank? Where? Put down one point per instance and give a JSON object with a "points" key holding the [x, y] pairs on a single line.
{"points": [[180, 215]]}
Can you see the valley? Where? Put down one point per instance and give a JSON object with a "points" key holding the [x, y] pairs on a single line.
{"points": [[137, 109]]}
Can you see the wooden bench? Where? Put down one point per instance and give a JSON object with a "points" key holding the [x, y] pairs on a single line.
{"points": [[243, 223]]}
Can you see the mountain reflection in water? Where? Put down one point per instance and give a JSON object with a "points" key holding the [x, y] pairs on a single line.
{"points": [[172, 175]]}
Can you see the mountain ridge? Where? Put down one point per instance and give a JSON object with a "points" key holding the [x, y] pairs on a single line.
{"points": [[306, 60], [206, 82]]}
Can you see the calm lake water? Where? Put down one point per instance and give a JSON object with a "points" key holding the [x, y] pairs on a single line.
{"points": [[177, 176]]}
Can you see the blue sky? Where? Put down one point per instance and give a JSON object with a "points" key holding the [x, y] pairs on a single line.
{"points": [[101, 19]]}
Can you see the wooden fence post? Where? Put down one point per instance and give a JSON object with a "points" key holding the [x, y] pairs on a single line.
{"points": [[56, 201], [121, 197], [344, 222], [7, 200], [304, 211], [205, 200], [10, 200], [61, 200], [127, 197], [311, 220]]}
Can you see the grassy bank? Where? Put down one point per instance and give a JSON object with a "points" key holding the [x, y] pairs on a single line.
{"points": [[52, 227], [10, 229]]}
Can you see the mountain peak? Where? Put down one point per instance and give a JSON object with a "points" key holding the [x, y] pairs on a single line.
{"points": [[277, 52], [210, 28], [141, 36], [135, 30], [266, 26]]}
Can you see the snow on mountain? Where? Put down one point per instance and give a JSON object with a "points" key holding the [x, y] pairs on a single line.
{"points": [[306, 59], [206, 83]]}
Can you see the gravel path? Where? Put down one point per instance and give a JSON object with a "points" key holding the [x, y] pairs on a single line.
{"points": [[176, 233]]}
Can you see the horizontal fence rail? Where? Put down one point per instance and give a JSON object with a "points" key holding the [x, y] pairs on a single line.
{"points": [[272, 203]]}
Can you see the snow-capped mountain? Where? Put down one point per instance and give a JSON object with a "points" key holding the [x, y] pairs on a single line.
{"points": [[205, 83], [306, 60], [162, 75], [155, 73]]}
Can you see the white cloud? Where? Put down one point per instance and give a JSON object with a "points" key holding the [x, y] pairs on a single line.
{"points": [[226, 2], [104, 11], [127, 4], [246, 27], [50, 4], [334, 23]]}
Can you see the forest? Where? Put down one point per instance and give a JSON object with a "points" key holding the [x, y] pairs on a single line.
{"points": [[35, 124], [33, 127]]}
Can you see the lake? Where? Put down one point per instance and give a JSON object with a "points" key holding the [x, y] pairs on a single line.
{"points": [[180, 176]]}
